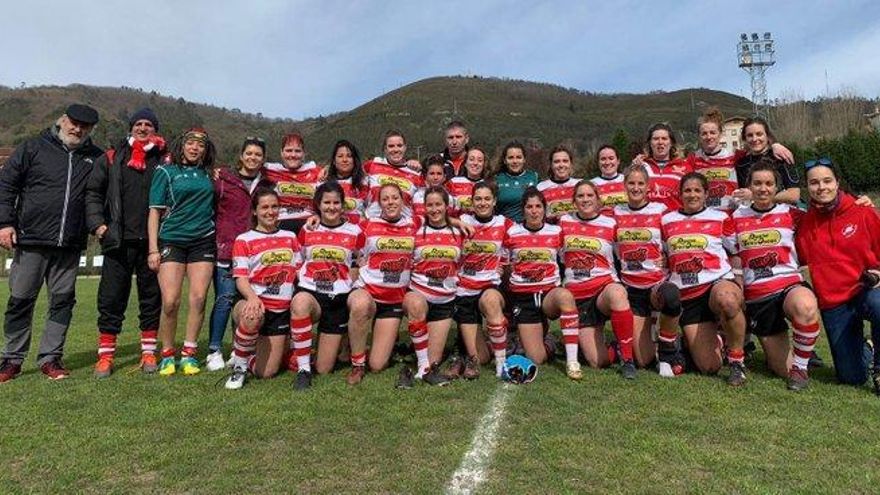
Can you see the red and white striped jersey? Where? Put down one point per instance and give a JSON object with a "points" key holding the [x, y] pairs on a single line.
{"points": [[663, 186], [482, 254], [380, 172], [295, 188], [696, 245], [611, 192], [328, 255], [461, 189], [354, 200], [435, 263], [720, 170], [270, 262], [387, 258], [765, 243], [587, 254], [558, 196], [533, 257], [639, 244]]}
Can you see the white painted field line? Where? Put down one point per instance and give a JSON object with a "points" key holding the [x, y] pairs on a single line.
{"points": [[472, 470]]}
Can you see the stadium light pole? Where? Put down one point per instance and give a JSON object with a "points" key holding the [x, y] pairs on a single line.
{"points": [[755, 54]]}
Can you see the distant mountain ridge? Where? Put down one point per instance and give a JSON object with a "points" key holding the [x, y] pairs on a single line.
{"points": [[495, 110]]}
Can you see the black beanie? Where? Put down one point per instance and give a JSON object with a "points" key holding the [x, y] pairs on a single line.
{"points": [[144, 114]]}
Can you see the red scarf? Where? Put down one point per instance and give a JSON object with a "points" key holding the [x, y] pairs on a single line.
{"points": [[139, 150]]}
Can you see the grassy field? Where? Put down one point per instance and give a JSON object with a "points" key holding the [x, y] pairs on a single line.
{"points": [[133, 433]]}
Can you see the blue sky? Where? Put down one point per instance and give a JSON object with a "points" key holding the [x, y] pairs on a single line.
{"points": [[306, 58]]}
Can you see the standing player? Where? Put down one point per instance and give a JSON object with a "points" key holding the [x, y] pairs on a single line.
{"points": [[588, 257], [295, 182], [461, 187], [559, 188], [392, 169], [664, 168], [535, 295], [610, 180], [433, 177], [699, 266], [266, 260], [345, 168], [773, 285]]}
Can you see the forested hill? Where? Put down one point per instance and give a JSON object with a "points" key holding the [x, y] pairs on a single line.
{"points": [[496, 110]]}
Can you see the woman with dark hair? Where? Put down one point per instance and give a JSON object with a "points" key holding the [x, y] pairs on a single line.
{"points": [[773, 286], [181, 229], [697, 238], [839, 241], [758, 137], [513, 178], [558, 189], [295, 182], [429, 303], [535, 294], [433, 175], [588, 257], [265, 268], [643, 271], [329, 269], [461, 187], [664, 167], [345, 168], [610, 180], [477, 296], [392, 168]]}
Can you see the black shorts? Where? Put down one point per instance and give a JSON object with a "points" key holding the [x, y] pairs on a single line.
{"points": [[204, 249], [275, 324], [526, 307], [294, 225], [589, 314], [334, 312], [766, 316], [440, 311], [640, 301], [388, 311], [697, 310], [467, 310]]}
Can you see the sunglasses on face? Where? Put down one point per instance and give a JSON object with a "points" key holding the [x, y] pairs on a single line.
{"points": [[825, 162]]}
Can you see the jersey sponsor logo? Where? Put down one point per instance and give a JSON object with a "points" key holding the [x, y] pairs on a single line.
{"points": [[276, 257], [762, 266], [716, 173], [324, 253], [466, 202], [760, 238], [395, 244], [534, 255], [689, 270], [296, 189], [716, 191], [688, 243], [614, 199], [634, 235], [437, 275], [443, 253], [635, 259], [403, 184], [561, 207], [392, 269], [273, 283], [849, 230], [583, 243], [477, 247], [581, 266], [350, 204], [533, 275]]}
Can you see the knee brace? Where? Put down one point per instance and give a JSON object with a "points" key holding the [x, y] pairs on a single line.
{"points": [[670, 299]]}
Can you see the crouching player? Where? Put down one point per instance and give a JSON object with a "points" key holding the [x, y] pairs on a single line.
{"points": [[265, 263]]}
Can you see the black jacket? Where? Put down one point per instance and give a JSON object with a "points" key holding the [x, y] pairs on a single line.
{"points": [[104, 192], [42, 191]]}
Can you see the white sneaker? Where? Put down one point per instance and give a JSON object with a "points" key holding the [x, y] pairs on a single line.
{"points": [[236, 380], [665, 370], [573, 370], [215, 361], [230, 363]]}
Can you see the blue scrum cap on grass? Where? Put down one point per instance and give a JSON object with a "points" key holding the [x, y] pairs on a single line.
{"points": [[519, 369]]}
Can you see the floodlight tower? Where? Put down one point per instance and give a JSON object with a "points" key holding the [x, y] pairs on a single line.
{"points": [[755, 55]]}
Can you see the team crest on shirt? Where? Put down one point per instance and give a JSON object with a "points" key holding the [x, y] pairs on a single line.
{"points": [[849, 230], [534, 255], [634, 235], [324, 253], [583, 243], [394, 244], [759, 238], [276, 257], [688, 243]]}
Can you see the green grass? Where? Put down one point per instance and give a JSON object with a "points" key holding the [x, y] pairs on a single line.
{"points": [[133, 433]]}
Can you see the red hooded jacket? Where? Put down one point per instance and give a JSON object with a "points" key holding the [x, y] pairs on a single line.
{"points": [[837, 246]]}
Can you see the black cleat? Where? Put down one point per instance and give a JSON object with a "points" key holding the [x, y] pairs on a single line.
{"points": [[737, 376], [405, 379], [303, 380], [816, 361], [798, 379], [432, 376], [628, 370]]}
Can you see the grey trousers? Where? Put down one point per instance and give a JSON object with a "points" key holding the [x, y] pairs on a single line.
{"points": [[31, 266]]}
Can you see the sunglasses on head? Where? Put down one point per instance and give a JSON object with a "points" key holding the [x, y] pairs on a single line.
{"points": [[254, 139], [825, 162]]}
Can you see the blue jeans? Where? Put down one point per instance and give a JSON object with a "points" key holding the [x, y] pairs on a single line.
{"points": [[845, 328], [224, 296]]}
